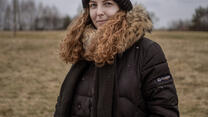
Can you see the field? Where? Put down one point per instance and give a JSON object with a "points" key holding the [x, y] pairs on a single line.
{"points": [[31, 71]]}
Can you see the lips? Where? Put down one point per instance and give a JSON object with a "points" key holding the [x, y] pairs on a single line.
{"points": [[101, 21]]}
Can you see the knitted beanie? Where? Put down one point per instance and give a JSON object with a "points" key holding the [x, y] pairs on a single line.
{"points": [[125, 5]]}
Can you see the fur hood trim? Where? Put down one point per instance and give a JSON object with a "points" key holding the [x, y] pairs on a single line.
{"points": [[138, 22]]}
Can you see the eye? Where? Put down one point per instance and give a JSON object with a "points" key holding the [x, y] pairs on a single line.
{"points": [[108, 4], [92, 5]]}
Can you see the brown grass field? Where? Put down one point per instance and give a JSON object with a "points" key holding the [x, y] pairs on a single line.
{"points": [[31, 71]]}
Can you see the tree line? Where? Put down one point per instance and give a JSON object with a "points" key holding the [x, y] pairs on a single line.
{"points": [[27, 15], [198, 22]]}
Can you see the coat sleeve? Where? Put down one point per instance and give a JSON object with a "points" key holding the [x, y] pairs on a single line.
{"points": [[57, 108], [66, 93], [158, 86]]}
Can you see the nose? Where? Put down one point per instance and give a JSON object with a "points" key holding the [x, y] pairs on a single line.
{"points": [[100, 11]]}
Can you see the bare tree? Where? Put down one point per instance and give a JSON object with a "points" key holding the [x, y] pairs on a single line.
{"points": [[66, 22], [180, 25], [8, 18], [28, 14], [153, 17], [38, 24], [3, 6], [14, 17], [48, 18], [45, 19]]}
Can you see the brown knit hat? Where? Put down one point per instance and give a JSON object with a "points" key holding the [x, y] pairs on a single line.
{"points": [[125, 5]]}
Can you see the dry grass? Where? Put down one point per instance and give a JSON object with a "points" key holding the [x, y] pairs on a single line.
{"points": [[31, 71], [187, 54]]}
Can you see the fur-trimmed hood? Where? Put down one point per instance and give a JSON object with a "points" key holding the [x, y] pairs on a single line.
{"points": [[101, 47]]}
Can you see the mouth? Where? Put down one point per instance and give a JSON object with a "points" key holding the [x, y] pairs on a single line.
{"points": [[101, 21]]}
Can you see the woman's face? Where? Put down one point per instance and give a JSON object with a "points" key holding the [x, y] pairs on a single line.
{"points": [[102, 10]]}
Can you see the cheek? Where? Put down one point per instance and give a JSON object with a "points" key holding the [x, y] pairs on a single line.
{"points": [[92, 15], [112, 12]]}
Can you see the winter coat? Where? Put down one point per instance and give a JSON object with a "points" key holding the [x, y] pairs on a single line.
{"points": [[145, 85], [137, 84]]}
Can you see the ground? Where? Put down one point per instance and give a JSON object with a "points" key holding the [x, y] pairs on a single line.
{"points": [[32, 72]]}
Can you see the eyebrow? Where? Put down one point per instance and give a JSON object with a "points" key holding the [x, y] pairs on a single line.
{"points": [[93, 1]]}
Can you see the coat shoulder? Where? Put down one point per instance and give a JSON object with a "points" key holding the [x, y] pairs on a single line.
{"points": [[145, 43], [150, 52], [149, 47]]}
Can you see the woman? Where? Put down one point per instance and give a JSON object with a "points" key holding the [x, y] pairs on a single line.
{"points": [[116, 71]]}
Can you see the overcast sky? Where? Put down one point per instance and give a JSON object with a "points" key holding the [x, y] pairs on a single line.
{"points": [[165, 10]]}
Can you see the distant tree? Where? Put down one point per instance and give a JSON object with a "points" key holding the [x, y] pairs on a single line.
{"points": [[153, 17], [48, 19], [55, 18], [67, 21], [27, 14], [15, 2], [8, 18], [3, 6], [18, 14], [39, 25], [180, 25], [200, 19]]}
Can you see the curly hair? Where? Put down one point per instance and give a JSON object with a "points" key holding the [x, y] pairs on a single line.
{"points": [[104, 45], [120, 32], [71, 47]]}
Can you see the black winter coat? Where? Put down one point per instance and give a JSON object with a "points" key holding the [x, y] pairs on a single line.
{"points": [[142, 87]]}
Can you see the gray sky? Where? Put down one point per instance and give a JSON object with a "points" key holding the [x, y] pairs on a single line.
{"points": [[165, 10]]}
